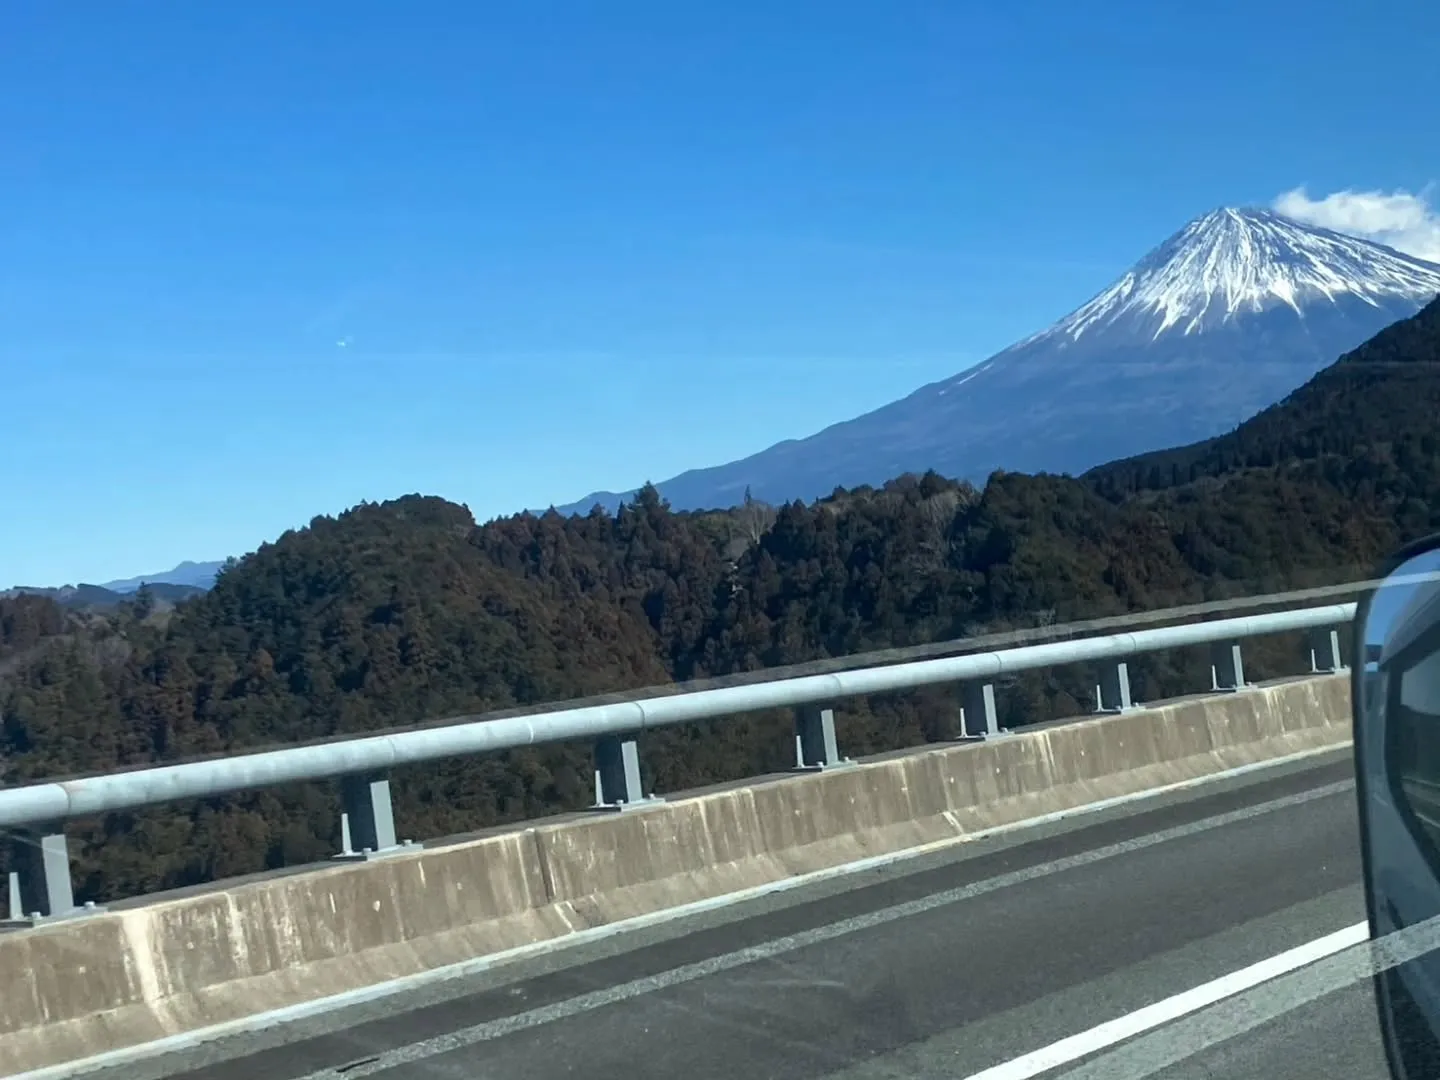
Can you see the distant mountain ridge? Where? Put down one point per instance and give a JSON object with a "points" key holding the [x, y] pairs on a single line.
{"points": [[1225, 318], [183, 581], [198, 575]]}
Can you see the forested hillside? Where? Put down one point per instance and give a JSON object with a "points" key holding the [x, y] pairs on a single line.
{"points": [[408, 611]]}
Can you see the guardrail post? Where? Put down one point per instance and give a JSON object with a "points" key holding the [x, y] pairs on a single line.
{"points": [[815, 743], [1325, 658], [367, 819], [1112, 692], [1227, 666], [978, 719], [40, 887], [617, 774]]}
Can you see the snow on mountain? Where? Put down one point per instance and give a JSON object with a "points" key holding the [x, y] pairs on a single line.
{"points": [[1235, 262], [1223, 319]]}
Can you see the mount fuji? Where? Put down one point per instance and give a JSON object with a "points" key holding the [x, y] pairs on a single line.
{"points": [[1222, 320]]}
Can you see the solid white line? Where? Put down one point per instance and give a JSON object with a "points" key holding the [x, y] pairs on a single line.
{"points": [[1159, 1049], [1108, 1034]]}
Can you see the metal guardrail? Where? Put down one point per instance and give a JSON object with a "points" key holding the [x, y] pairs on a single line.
{"points": [[42, 884]]}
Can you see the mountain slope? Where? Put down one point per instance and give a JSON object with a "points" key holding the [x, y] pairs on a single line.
{"points": [[1221, 320], [1366, 424]]}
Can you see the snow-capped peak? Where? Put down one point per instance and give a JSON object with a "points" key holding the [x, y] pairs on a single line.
{"points": [[1232, 261]]}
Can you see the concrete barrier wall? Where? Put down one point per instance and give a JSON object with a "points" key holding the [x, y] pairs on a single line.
{"points": [[75, 989]]}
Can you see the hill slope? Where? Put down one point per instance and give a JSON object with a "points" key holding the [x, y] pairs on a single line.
{"points": [[1366, 425]]}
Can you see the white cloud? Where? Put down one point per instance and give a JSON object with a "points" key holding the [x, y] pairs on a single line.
{"points": [[1407, 222]]}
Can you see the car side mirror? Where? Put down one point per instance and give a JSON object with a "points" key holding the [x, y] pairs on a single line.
{"points": [[1396, 702]]}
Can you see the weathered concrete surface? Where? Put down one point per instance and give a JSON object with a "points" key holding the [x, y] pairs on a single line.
{"points": [[119, 979]]}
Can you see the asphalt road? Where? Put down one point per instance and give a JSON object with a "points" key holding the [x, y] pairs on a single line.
{"points": [[939, 967]]}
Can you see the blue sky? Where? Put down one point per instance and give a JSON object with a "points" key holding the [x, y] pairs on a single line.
{"points": [[571, 246]]}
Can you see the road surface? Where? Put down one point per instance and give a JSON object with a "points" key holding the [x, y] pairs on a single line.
{"points": [[946, 966]]}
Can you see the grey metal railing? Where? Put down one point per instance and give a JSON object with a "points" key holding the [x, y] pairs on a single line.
{"points": [[42, 883]]}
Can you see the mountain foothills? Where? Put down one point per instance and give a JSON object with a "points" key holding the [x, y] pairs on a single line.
{"points": [[164, 589], [1223, 319], [99, 596], [403, 612]]}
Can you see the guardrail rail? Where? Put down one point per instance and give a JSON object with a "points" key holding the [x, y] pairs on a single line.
{"points": [[41, 885]]}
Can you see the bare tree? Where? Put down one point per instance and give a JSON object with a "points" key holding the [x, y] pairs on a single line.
{"points": [[754, 517]]}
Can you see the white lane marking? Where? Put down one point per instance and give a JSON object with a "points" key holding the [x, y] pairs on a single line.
{"points": [[1245, 1012], [583, 1003], [1111, 1032]]}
